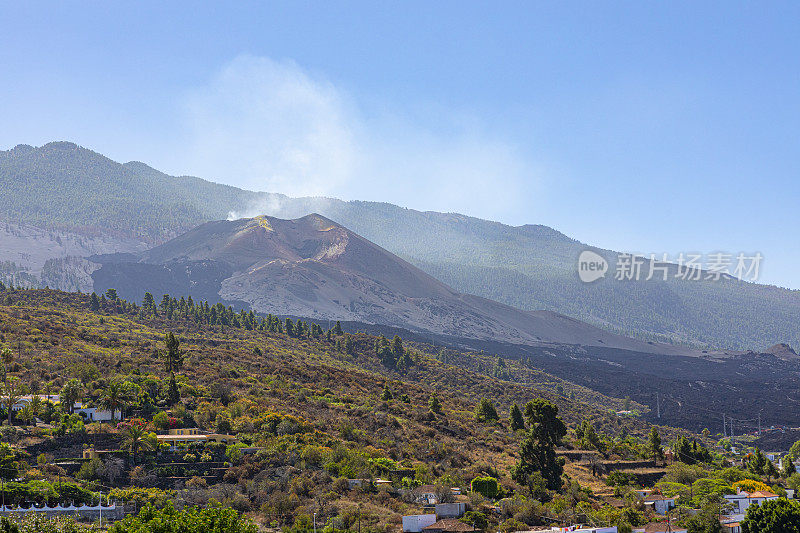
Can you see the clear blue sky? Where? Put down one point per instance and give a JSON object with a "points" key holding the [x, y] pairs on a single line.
{"points": [[637, 126]]}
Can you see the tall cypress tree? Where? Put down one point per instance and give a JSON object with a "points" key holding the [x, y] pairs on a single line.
{"points": [[538, 449]]}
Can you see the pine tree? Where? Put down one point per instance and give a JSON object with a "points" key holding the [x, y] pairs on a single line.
{"points": [[770, 471], [173, 394], [434, 405], [538, 449], [148, 304], [654, 445], [515, 418], [787, 467], [387, 393], [173, 359], [485, 411], [337, 329], [94, 303], [759, 463], [397, 347]]}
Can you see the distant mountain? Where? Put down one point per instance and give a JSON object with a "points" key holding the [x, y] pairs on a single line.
{"points": [[312, 267], [64, 187]]}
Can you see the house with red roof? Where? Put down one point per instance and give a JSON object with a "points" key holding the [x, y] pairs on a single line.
{"points": [[742, 500]]}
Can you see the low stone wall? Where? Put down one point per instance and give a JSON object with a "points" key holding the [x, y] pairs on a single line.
{"points": [[610, 466], [111, 512]]}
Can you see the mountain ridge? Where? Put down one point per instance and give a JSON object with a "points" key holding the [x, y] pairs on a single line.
{"points": [[530, 267], [316, 268]]}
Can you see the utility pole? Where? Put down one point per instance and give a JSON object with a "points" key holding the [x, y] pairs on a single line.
{"points": [[724, 427], [658, 405], [315, 514], [759, 424]]}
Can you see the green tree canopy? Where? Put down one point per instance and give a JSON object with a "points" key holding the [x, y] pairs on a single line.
{"points": [[654, 444], [485, 411], [538, 449], [486, 486], [515, 418], [773, 516], [71, 392], [192, 520]]}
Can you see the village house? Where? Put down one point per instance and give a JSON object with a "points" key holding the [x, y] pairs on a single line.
{"points": [[415, 523], [187, 436], [25, 400], [425, 495], [731, 523], [451, 510], [660, 504], [89, 414], [93, 414], [742, 500]]}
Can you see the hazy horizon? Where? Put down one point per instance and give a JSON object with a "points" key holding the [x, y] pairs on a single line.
{"points": [[647, 129]]}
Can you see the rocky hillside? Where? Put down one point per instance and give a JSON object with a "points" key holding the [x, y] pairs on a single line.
{"points": [[313, 267], [531, 267]]}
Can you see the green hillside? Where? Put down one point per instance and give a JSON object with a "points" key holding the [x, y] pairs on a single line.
{"points": [[530, 267], [309, 409]]}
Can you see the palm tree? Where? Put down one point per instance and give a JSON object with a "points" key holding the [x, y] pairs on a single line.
{"points": [[26, 414], [36, 405], [115, 397], [12, 392], [70, 393], [135, 438]]}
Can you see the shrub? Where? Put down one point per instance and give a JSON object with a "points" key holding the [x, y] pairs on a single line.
{"points": [[475, 519], [192, 520], [161, 421], [486, 486]]}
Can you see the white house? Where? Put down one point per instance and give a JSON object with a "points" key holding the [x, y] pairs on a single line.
{"points": [[732, 523], [93, 414], [450, 510], [415, 522], [425, 495], [743, 500], [661, 504], [90, 414], [25, 400]]}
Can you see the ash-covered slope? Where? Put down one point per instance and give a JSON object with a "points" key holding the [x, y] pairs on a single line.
{"points": [[112, 207], [313, 267]]}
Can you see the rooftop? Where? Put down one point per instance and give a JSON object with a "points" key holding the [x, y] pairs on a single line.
{"points": [[450, 524]]}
